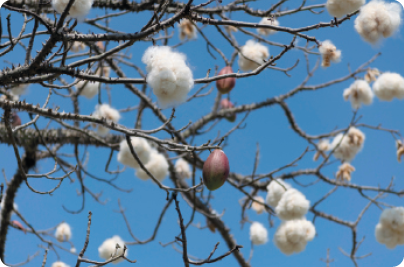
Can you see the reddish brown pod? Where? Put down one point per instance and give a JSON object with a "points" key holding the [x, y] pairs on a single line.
{"points": [[215, 170], [225, 85], [15, 120], [225, 104]]}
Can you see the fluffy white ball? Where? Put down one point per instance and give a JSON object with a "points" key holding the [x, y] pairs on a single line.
{"points": [[259, 208], [268, 21], [276, 189], [182, 169], [157, 166], [390, 229], [346, 147], [141, 147], [59, 264], [378, 19], [293, 205], [329, 53], [78, 10], [339, 8], [258, 234], [19, 89], [292, 236], [168, 75], [63, 232], [110, 114], [252, 55], [77, 46], [388, 86], [108, 248], [359, 93], [90, 89]]}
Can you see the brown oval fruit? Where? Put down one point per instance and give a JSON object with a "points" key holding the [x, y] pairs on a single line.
{"points": [[215, 170], [224, 104], [225, 85]]}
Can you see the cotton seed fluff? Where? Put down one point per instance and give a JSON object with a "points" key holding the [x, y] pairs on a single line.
{"points": [[63, 232], [276, 189], [168, 75], [182, 169], [59, 264], [108, 249], [140, 146], [87, 88], [388, 86], [187, 29], [292, 236], [359, 93], [110, 114], [258, 234], [390, 229], [378, 19], [268, 21], [292, 205], [157, 166], [339, 8], [252, 55], [347, 146], [78, 10], [329, 53]]}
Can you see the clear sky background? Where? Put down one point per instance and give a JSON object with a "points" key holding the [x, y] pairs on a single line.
{"points": [[316, 112]]}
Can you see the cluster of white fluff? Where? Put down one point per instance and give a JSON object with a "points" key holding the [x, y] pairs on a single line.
{"points": [[292, 205], [230, 29], [109, 249], [388, 86], [276, 189], [157, 166], [359, 93], [77, 46], [322, 146], [187, 29], [344, 172], [346, 146], [141, 147], [63, 232], [110, 114], [258, 234], [59, 264], [89, 88], [252, 55], [390, 229], [339, 8], [182, 169], [329, 53], [292, 236], [78, 10], [268, 21], [258, 207], [18, 90], [168, 75], [378, 19], [371, 75]]}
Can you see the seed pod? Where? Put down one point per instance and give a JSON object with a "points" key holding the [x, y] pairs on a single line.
{"points": [[215, 170], [224, 104], [225, 85]]}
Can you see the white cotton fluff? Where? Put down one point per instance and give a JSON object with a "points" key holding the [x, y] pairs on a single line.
{"points": [[390, 229], [258, 207], [59, 264], [157, 166], [187, 29], [19, 89], [276, 189], [339, 8], [292, 236], [110, 114], [378, 19], [168, 75], [329, 53], [388, 86], [293, 205], [182, 169], [346, 147], [63, 232], [141, 147], [258, 234], [359, 93], [77, 46], [252, 55], [268, 21], [89, 90], [108, 249], [78, 10], [73, 250], [322, 146]]}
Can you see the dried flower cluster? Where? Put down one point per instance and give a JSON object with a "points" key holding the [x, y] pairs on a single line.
{"points": [[344, 172], [187, 29], [168, 75], [329, 53], [390, 229]]}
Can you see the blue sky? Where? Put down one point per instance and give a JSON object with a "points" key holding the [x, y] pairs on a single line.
{"points": [[316, 112]]}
